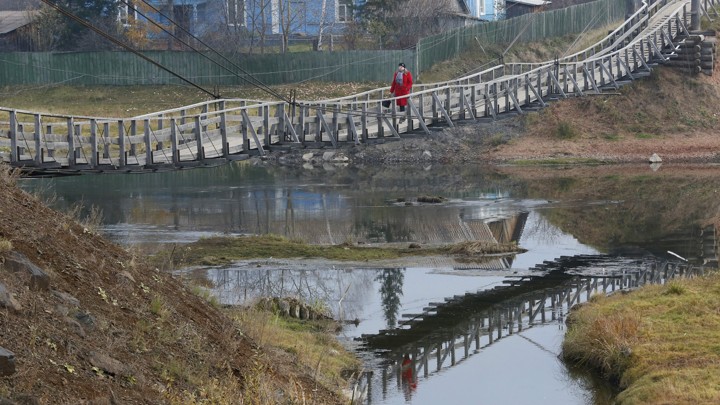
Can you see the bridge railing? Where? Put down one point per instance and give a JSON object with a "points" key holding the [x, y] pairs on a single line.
{"points": [[234, 129]]}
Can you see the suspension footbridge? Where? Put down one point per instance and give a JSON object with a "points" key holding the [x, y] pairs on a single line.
{"points": [[218, 131]]}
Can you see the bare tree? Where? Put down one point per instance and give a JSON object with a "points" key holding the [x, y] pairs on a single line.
{"points": [[416, 19]]}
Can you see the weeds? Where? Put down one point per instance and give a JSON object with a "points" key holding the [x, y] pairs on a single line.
{"points": [[565, 131], [6, 246]]}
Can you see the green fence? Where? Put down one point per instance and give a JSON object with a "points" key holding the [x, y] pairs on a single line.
{"points": [[525, 28], [123, 68]]}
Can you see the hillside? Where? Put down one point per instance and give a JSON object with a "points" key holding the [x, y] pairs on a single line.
{"points": [[103, 327]]}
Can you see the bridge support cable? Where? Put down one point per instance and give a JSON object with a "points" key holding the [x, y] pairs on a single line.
{"points": [[253, 81], [125, 46]]}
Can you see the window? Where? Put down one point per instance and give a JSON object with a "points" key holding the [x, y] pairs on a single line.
{"points": [[235, 13], [481, 8], [127, 14], [344, 11]]}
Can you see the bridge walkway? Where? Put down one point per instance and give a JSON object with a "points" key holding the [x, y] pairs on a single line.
{"points": [[218, 131]]}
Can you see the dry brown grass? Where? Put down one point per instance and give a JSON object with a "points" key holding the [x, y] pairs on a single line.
{"points": [[659, 343]]}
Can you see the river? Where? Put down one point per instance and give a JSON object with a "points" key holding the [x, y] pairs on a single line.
{"points": [[586, 213]]}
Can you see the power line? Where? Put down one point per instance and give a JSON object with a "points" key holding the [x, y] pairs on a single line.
{"points": [[254, 82], [117, 42]]}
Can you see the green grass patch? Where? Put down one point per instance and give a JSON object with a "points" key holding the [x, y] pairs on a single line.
{"points": [[643, 135], [565, 130], [557, 161], [660, 343], [222, 250]]}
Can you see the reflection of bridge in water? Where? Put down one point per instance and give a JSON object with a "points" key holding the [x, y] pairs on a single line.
{"points": [[446, 333]]}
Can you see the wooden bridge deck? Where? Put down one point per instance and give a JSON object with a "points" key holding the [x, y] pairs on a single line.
{"points": [[218, 131]]}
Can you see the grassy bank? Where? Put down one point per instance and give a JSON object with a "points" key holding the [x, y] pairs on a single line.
{"points": [[660, 343], [221, 250]]}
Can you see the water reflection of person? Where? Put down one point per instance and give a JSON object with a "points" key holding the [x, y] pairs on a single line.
{"points": [[408, 378]]}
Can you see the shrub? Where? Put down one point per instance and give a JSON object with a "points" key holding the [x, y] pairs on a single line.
{"points": [[566, 131]]}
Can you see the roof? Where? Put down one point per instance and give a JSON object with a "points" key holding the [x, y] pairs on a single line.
{"points": [[532, 3], [12, 20]]}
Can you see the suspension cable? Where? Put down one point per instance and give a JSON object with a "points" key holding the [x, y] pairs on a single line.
{"points": [[117, 42]]}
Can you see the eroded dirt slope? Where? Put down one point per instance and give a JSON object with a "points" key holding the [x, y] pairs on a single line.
{"points": [[111, 329]]}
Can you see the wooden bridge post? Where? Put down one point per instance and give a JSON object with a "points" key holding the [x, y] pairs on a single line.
{"points": [[199, 140], [133, 132], [14, 157], [301, 124], [71, 141], [160, 126], [148, 144], [244, 129], [106, 141], [122, 154], [363, 123], [266, 125], [38, 140], [223, 130], [174, 142], [94, 154]]}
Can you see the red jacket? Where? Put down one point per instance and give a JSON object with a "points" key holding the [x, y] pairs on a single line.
{"points": [[404, 89]]}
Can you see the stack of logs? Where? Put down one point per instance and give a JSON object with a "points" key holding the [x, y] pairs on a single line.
{"points": [[696, 54]]}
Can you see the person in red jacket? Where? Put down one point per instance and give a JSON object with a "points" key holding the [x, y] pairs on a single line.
{"points": [[401, 85]]}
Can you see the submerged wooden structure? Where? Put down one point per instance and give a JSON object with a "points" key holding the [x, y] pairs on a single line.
{"points": [[218, 131]]}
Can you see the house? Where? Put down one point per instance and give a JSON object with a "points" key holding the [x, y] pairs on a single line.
{"points": [[515, 8], [488, 10], [199, 17], [15, 24]]}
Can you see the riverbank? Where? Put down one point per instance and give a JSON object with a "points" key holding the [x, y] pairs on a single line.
{"points": [[86, 321], [659, 343]]}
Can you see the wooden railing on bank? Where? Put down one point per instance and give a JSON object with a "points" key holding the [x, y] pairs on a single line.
{"points": [[218, 131]]}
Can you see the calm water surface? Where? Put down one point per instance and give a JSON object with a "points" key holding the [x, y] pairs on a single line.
{"points": [[550, 212]]}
